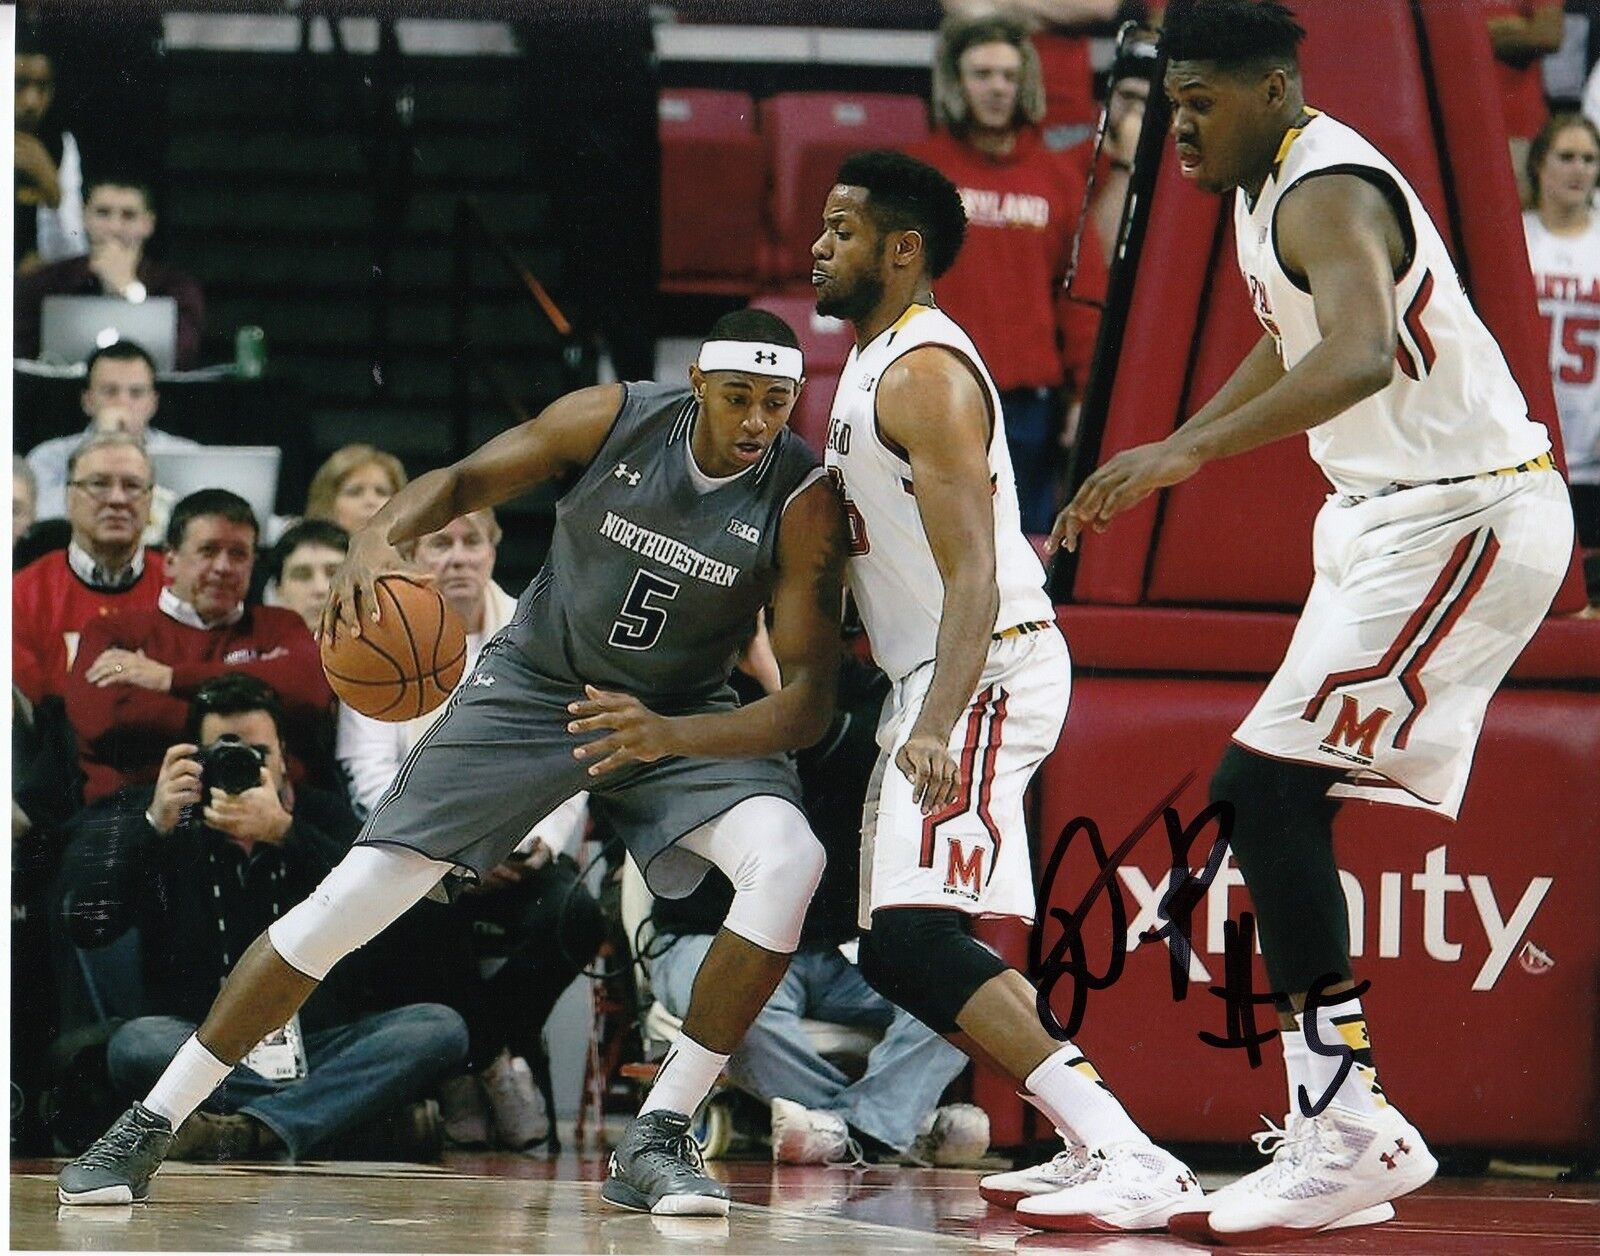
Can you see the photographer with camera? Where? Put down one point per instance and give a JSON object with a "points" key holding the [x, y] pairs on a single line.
{"points": [[201, 862]]}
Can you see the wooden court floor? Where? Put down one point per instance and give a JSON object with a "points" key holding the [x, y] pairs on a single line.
{"points": [[505, 1203]]}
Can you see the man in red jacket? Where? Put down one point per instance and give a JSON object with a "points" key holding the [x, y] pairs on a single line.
{"points": [[136, 671], [1023, 203], [104, 568]]}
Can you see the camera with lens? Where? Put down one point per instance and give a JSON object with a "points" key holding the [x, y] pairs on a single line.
{"points": [[230, 765]]}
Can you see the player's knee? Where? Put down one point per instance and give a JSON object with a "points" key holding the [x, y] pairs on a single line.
{"points": [[773, 885], [800, 862], [925, 960]]}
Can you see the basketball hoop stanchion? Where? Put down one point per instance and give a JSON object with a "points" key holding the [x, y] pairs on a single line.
{"points": [[1119, 294]]}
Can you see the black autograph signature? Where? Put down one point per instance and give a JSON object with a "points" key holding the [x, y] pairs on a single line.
{"points": [[1068, 958]]}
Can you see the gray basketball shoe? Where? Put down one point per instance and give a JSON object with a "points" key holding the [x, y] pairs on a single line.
{"points": [[118, 1168], [657, 1168]]}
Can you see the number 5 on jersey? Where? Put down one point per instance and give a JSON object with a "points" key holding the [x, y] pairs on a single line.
{"points": [[644, 614]]}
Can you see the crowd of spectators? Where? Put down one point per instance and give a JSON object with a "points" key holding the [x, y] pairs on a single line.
{"points": [[154, 638]]}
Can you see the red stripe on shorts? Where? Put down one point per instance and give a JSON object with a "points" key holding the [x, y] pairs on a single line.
{"points": [[996, 727], [963, 800], [1403, 642], [1411, 678]]}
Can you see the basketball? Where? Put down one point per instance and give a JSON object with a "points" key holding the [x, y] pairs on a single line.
{"points": [[406, 663]]}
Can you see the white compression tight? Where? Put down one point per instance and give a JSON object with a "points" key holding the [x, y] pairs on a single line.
{"points": [[763, 845], [371, 888]]}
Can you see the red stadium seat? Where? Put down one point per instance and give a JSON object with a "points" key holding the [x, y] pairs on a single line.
{"points": [[713, 178], [807, 135]]}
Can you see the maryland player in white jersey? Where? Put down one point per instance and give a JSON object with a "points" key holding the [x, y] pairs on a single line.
{"points": [[1437, 554], [952, 597]]}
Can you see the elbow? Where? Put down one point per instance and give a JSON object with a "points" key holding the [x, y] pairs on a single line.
{"points": [[1370, 367]]}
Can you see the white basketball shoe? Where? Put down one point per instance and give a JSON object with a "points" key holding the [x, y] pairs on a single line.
{"points": [[1127, 1186], [1331, 1171], [1007, 1190]]}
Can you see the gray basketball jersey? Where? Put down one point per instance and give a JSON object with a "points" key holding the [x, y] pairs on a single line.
{"points": [[651, 587]]}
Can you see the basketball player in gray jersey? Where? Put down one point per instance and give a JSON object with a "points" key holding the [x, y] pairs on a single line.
{"points": [[690, 509]]}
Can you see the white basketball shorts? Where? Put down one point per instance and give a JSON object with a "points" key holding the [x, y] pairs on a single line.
{"points": [[1422, 601], [973, 855]]}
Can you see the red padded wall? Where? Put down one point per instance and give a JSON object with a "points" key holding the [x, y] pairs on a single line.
{"points": [[1162, 325], [1457, 1059]]}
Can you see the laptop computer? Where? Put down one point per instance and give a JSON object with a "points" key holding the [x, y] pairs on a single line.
{"points": [[71, 328], [248, 470]]}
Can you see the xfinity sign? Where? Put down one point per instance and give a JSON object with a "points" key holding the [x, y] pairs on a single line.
{"points": [[1378, 918]]}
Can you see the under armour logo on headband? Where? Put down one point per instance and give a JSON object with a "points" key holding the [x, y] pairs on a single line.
{"points": [[759, 357]]}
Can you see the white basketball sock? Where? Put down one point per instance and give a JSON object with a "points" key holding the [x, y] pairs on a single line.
{"points": [[686, 1078], [187, 1083], [1071, 1095], [1343, 1026]]}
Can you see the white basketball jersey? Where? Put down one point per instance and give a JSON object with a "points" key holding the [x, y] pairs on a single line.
{"points": [[1452, 408], [892, 572], [1566, 275]]}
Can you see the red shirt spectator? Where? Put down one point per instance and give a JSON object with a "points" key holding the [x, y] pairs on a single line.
{"points": [[1005, 288], [52, 601], [129, 690], [104, 567], [1023, 203]]}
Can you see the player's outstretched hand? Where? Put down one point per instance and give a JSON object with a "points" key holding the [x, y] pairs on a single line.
{"points": [[934, 774], [638, 734], [354, 593], [1122, 483]]}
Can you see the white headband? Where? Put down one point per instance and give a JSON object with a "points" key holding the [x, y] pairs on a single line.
{"points": [[757, 357]]}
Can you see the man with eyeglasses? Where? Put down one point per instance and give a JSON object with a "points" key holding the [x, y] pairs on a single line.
{"points": [[136, 671], [119, 395], [104, 568]]}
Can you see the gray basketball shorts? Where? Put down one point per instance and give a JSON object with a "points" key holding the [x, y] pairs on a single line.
{"points": [[500, 759]]}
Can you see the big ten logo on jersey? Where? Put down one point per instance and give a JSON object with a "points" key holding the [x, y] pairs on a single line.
{"points": [[1263, 306], [1386, 913]]}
